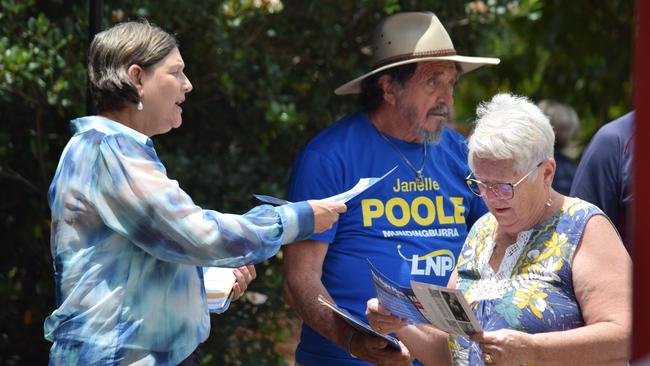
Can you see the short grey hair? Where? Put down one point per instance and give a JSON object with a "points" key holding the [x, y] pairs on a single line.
{"points": [[111, 54], [564, 120], [511, 127]]}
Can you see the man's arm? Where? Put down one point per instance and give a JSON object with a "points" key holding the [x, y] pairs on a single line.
{"points": [[303, 265]]}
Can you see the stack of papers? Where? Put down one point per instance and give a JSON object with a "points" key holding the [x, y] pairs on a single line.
{"points": [[218, 287]]}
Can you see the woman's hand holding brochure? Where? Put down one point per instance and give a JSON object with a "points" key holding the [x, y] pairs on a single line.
{"points": [[380, 318]]}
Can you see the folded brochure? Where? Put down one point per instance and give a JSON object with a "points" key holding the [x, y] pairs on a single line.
{"points": [[218, 283], [424, 303], [357, 323], [362, 185]]}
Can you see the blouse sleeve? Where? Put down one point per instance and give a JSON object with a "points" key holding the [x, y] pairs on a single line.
{"points": [[135, 198]]}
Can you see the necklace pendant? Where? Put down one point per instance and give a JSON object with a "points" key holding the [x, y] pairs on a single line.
{"points": [[418, 178]]}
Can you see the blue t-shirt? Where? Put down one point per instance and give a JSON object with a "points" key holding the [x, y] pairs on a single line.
{"points": [[565, 169], [604, 175], [408, 231]]}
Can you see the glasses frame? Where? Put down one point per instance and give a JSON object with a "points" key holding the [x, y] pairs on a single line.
{"points": [[492, 186]]}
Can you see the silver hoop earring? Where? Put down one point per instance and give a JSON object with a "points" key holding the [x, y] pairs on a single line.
{"points": [[140, 106]]}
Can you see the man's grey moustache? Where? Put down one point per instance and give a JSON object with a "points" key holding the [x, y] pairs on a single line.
{"points": [[444, 111]]}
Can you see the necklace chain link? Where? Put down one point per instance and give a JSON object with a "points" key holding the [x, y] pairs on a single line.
{"points": [[418, 172]]}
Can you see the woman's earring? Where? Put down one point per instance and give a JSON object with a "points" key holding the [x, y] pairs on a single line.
{"points": [[140, 106], [549, 202]]}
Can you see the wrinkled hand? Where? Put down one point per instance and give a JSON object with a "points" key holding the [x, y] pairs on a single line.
{"points": [[380, 319], [374, 349], [326, 214], [504, 347], [243, 276]]}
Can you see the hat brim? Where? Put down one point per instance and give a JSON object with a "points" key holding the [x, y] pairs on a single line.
{"points": [[467, 64]]}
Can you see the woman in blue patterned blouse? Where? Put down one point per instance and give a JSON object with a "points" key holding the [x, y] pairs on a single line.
{"points": [[128, 244], [546, 275]]}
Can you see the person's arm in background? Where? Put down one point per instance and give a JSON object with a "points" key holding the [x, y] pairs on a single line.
{"points": [[135, 198], [303, 263]]}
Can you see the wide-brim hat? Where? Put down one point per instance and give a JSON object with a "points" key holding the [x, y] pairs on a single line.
{"points": [[410, 37]]}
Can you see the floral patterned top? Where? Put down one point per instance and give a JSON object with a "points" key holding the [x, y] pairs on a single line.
{"points": [[533, 289]]}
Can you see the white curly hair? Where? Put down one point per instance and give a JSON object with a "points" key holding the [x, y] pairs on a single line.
{"points": [[511, 127]]}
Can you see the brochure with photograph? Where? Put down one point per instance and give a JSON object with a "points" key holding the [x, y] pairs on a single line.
{"points": [[424, 303], [362, 185], [357, 323]]}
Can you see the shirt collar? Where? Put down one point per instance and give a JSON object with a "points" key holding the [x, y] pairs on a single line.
{"points": [[107, 126]]}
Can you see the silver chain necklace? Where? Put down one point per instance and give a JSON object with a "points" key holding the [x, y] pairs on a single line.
{"points": [[418, 172]]}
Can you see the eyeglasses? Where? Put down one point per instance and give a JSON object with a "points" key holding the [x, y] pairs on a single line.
{"points": [[501, 190]]}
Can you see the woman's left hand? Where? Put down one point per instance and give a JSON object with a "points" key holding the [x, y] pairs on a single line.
{"points": [[243, 276], [380, 318], [504, 347]]}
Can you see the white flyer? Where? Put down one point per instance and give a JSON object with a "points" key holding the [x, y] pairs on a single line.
{"points": [[362, 185], [218, 286]]}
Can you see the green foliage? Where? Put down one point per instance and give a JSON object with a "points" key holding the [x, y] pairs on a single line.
{"points": [[41, 84], [575, 52], [264, 72]]}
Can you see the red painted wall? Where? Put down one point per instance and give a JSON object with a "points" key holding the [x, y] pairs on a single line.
{"points": [[641, 189]]}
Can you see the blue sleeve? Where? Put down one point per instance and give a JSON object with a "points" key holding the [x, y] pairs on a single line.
{"points": [[476, 205], [597, 177], [135, 198], [477, 209], [315, 176]]}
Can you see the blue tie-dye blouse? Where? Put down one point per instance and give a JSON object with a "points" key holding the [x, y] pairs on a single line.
{"points": [[128, 244]]}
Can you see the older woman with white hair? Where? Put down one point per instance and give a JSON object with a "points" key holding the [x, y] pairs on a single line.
{"points": [[546, 275]]}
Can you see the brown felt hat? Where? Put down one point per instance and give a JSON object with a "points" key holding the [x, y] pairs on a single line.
{"points": [[410, 37]]}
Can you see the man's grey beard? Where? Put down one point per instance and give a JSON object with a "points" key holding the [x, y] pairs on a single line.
{"points": [[409, 114], [432, 137]]}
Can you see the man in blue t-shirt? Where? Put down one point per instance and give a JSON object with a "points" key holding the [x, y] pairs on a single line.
{"points": [[604, 175], [412, 224]]}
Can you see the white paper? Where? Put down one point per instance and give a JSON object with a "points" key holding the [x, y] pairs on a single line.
{"points": [[362, 185], [424, 303], [446, 308], [218, 286]]}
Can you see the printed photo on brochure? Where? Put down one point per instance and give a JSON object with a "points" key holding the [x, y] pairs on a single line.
{"points": [[424, 303]]}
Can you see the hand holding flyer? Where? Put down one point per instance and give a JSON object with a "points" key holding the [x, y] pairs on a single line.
{"points": [[358, 324], [218, 287], [444, 308]]}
